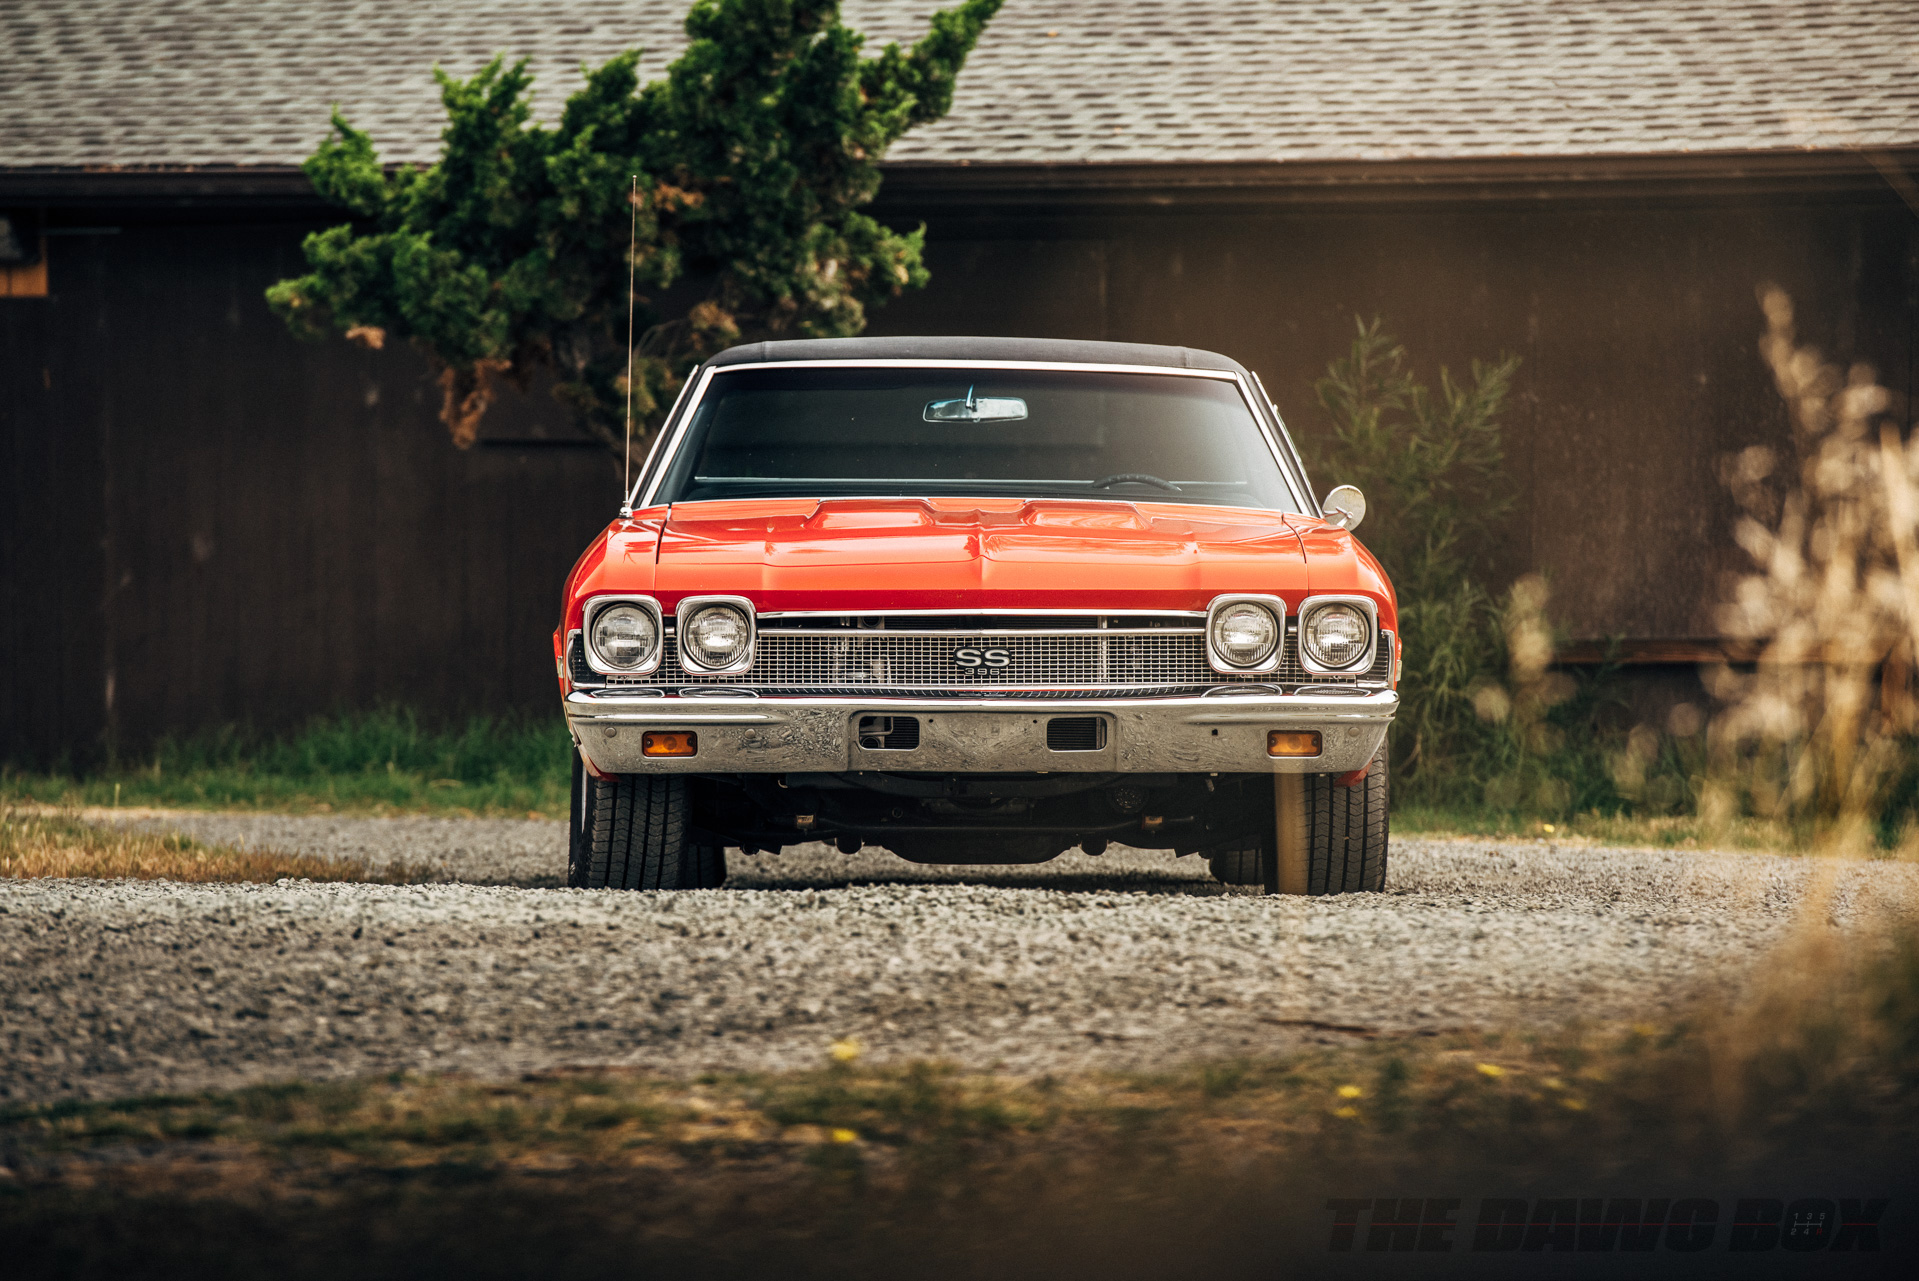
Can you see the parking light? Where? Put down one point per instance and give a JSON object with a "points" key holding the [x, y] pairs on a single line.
{"points": [[661, 742], [1282, 742]]}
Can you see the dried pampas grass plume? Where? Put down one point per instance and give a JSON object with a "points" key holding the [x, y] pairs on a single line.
{"points": [[1814, 735]]}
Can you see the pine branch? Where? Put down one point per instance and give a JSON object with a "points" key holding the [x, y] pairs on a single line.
{"points": [[754, 156]]}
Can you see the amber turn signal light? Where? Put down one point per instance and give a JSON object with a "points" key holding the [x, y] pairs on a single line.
{"points": [[1281, 742], [660, 742]]}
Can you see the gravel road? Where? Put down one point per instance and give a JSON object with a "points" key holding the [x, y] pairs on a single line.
{"points": [[1132, 960]]}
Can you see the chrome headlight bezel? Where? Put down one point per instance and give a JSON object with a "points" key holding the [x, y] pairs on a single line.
{"points": [[690, 608], [1367, 607], [590, 616], [1221, 663]]}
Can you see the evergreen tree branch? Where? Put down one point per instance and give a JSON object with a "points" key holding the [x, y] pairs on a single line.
{"points": [[753, 156]]}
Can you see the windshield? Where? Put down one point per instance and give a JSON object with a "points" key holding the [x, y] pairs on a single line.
{"points": [[1023, 433]]}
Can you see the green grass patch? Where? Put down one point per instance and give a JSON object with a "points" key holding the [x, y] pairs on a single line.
{"points": [[380, 762], [1668, 831]]}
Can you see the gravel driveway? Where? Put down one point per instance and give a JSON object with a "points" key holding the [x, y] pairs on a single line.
{"points": [[1127, 961]]}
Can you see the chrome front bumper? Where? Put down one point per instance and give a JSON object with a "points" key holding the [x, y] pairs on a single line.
{"points": [[744, 735]]}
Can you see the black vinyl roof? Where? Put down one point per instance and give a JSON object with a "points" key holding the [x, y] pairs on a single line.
{"points": [[1051, 350]]}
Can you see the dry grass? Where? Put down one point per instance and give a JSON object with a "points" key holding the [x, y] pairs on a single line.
{"points": [[35, 843], [1821, 734], [1418, 1095]]}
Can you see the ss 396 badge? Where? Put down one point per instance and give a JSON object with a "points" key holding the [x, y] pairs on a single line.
{"points": [[972, 657]]}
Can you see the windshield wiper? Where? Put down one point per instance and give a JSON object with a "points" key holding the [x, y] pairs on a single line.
{"points": [[1134, 478]]}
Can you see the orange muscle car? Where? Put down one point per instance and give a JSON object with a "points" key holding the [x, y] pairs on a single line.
{"points": [[978, 600]]}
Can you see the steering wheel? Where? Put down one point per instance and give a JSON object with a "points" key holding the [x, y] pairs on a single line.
{"points": [[1135, 478]]}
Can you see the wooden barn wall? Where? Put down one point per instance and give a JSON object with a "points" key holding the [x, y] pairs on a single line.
{"points": [[211, 522], [208, 522], [1637, 327]]}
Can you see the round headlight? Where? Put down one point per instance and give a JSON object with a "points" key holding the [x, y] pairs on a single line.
{"points": [[1245, 634], [717, 636], [624, 636], [1336, 635]]}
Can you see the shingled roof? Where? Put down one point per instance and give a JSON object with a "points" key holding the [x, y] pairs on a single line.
{"points": [[186, 83]]}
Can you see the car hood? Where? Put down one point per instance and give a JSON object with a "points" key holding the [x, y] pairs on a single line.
{"points": [[892, 554]]}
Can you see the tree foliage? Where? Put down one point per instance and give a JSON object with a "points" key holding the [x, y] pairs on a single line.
{"points": [[753, 157]]}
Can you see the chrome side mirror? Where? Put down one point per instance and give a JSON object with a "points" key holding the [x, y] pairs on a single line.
{"points": [[1344, 506]]}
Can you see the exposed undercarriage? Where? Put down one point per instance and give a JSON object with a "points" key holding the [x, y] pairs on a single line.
{"points": [[982, 818]]}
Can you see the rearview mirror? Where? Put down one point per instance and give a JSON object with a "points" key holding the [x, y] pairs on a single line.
{"points": [[976, 409], [1344, 506]]}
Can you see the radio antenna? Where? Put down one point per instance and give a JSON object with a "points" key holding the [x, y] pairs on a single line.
{"points": [[632, 250]]}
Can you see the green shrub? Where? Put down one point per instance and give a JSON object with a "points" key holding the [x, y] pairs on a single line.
{"points": [[740, 177], [1432, 466], [1485, 720], [385, 759]]}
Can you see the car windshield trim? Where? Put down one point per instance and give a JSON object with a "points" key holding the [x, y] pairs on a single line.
{"points": [[666, 442], [1077, 367], [937, 482], [672, 438]]}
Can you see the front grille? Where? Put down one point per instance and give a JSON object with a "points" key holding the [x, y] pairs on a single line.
{"points": [[871, 661], [907, 661], [995, 624]]}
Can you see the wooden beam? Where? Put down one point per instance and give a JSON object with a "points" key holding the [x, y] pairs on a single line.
{"points": [[1162, 184], [1654, 653]]}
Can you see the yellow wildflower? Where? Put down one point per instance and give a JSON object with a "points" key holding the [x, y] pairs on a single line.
{"points": [[846, 1136], [1491, 1069], [1350, 1091], [1346, 1113], [845, 1050]]}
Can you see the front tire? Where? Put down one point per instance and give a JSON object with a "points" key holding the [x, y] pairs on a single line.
{"points": [[1325, 839], [634, 832]]}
